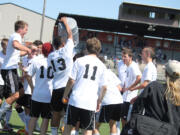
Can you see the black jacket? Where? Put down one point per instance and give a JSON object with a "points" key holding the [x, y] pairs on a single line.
{"points": [[156, 106]]}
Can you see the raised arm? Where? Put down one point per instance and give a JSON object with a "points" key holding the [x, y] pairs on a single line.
{"points": [[68, 29]]}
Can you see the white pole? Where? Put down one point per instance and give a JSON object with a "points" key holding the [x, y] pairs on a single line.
{"points": [[42, 22]]}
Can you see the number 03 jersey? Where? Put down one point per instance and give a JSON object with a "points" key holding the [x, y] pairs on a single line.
{"points": [[89, 74], [61, 61]]}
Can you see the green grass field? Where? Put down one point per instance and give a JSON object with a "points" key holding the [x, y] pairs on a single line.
{"points": [[18, 124]]}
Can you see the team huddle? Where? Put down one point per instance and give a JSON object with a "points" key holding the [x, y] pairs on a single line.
{"points": [[53, 84]]}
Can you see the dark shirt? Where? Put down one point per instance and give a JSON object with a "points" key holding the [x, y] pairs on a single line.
{"points": [[156, 106]]}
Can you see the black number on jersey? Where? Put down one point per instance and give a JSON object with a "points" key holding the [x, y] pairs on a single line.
{"points": [[62, 63], [49, 73], [87, 70]]}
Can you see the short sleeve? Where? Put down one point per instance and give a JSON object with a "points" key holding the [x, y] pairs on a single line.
{"points": [[17, 37], [104, 78], [74, 71], [69, 46], [147, 74], [136, 70], [116, 79]]}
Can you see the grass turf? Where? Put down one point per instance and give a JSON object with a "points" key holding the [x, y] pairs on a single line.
{"points": [[18, 124]]}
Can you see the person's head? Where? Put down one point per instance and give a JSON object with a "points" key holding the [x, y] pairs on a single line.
{"points": [[58, 42], [4, 43], [147, 54], [47, 49], [21, 27], [127, 56], [78, 55], [172, 93], [93, 46], [38, 44]]}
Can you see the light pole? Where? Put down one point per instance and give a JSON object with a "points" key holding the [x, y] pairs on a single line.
{"points": [[42, 22]]}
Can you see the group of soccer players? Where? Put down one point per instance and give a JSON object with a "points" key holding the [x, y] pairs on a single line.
{"points": [[53, 85]]}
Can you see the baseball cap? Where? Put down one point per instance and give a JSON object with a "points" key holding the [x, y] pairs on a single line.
{"points": [[173, 68], [46, 49]]}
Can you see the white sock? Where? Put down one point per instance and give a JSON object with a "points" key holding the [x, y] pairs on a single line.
{"points": [[73, 132], [54, 130], [118, 128], [8, 116], [113, 133], [4, 107], [22, 116], [77, 132], [27, 118]]}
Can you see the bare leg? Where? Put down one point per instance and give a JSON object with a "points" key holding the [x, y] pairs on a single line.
{"points": [[32, 124], [44, 126]]}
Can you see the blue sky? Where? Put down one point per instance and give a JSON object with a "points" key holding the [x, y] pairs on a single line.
{"points": [[97, 8]]}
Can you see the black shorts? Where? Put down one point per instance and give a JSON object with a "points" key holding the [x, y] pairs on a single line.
{"points": [[25, 100], [12, 82], [125, 110], [39, 108], [56, 100], [86, 117], [111, 112]]}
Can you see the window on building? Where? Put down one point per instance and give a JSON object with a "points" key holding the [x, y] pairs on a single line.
{"points": [[152, 15]]}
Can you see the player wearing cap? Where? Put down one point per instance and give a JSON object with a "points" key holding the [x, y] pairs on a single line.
{"points": [[41, 92], [88, 74]]}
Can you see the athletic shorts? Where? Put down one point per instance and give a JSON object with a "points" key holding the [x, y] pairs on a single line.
{"points": [[40, 109], [85, 117], [111, 112], [125, 110], [24, 100], [56, 100], [12, 82]]}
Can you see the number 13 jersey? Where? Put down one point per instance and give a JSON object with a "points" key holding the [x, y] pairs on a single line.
{"points": [[61, 61]]}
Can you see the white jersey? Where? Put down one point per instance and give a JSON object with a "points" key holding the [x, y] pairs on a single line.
{"points": [[62, 61], [132, 72], [12, 55], [149, 73], [43, 79], [89, 74], [113, 95], [26, 62], [2, 56], [122, 72]]}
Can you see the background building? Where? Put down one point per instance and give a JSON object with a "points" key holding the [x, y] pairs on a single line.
{"points": [[10, 13]]}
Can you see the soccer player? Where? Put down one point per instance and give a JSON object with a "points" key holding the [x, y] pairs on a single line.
{"points": [[42, 91], [111, 110], [87, 75], [150, 71], [132, 79], [14, 50], [61, 61]]}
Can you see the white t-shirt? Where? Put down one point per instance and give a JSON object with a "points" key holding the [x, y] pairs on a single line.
{"points": [[2, 56], [89, 74], [122, 72], [62, 61], [113, 95], [12, 55], [43, 79], [149, 73], [26, 62], [132, 72]]}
